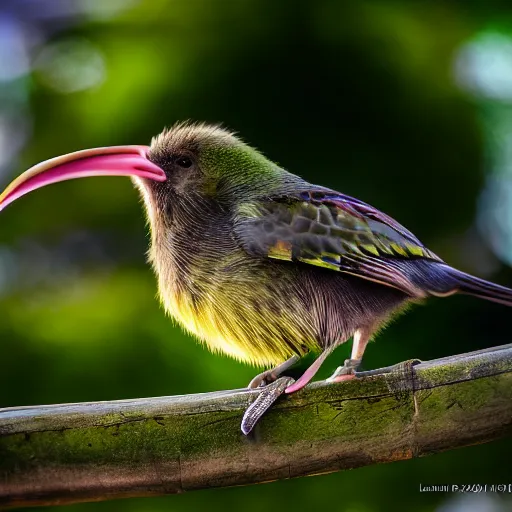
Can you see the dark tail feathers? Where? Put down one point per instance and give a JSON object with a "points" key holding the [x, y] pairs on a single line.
{"points": [[440, 279]]}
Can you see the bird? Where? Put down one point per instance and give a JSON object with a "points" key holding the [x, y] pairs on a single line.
{"points": [[258, 263]]}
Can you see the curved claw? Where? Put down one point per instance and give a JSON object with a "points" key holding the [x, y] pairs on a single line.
{"points": [[267, 377], [261, 380]]}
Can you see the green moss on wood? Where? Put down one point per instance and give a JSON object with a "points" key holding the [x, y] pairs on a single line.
{"points": [[179, 443]]}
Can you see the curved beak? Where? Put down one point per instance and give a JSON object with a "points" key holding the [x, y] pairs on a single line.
{"points": [[109, 161]]}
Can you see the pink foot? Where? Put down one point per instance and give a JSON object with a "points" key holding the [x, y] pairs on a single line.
{"points": [[299, 384], [342, 378], [304, 378], [310, 372]]}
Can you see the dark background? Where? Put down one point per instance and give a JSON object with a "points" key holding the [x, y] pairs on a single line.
{"points": [[406, 105]]}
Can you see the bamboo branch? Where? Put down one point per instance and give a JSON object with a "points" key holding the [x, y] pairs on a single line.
{"points": [[94, 451]]}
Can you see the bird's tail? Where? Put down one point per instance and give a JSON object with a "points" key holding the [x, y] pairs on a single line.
{"points": [[483, 289], [445, 280]]}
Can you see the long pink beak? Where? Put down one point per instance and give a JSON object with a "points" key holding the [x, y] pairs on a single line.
{"points": [[110, 161]]}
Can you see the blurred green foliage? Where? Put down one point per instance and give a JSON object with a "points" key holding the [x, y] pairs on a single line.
{"points": [[358, 96]]}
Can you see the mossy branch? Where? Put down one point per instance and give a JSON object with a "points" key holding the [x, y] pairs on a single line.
{"points": [[93, 451]]}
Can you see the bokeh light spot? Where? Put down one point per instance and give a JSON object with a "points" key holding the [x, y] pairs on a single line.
{"points": [[70, 66], [483, 66]]}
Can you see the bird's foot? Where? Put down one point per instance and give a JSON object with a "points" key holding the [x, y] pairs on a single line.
{"points": [[345, 372], [263, 379], [267, 377], [268, 395]]}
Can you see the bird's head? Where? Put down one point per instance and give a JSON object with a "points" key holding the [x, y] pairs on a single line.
{"points": [[206, 162], [183, 163]]}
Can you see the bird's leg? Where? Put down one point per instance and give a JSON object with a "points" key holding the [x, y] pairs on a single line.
{"points": [[268, 376], [347, 371], [310, 372], [273, 389]]}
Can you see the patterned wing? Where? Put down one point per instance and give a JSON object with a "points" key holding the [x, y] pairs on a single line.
{"points": [[325, 228]]}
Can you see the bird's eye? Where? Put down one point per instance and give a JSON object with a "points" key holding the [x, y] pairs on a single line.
{"points": [[184, 161]]}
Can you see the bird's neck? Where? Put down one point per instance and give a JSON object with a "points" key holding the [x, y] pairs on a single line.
{"points": [[186, 244]]}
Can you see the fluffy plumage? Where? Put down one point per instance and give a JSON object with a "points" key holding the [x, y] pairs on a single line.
{"points": [[261, 265]]}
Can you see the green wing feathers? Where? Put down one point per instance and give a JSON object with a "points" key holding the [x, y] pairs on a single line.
{"points": [[333, 233]]}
